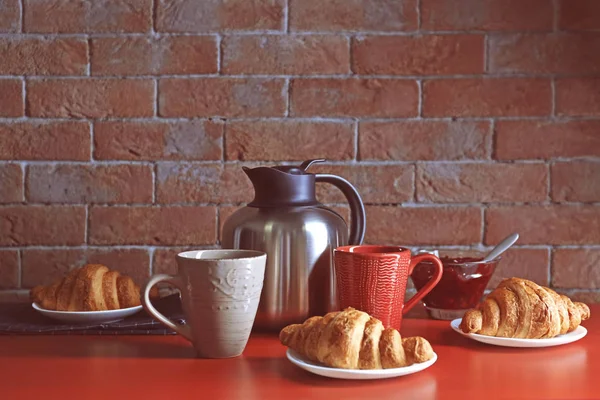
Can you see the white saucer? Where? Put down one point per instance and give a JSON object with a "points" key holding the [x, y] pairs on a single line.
{"points": [[340, 373], [570, 337], [88, 317]]}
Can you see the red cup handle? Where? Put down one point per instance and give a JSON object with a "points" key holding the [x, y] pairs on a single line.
{"points": [[430, 285]]}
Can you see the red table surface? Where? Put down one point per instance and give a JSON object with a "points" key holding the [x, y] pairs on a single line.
{"points": [[147, 367]]}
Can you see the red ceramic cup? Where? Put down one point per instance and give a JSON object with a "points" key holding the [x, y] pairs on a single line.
{"points": [[373, 279]]}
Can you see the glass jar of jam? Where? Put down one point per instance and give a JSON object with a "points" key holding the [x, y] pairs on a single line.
{"points": [[461, 288]]}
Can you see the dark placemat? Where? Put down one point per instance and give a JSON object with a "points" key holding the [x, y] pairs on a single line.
{"points": [[22, 319]]}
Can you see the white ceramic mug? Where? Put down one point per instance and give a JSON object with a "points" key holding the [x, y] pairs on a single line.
{"points": [[220, 291]]}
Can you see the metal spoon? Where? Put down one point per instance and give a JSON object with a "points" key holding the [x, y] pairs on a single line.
{"points": [[501, 247]]}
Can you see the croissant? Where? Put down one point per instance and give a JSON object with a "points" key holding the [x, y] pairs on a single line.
{"points": [[352, 339], [519, 308], [91, 288]]}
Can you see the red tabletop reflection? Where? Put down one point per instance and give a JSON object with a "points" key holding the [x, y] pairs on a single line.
{"points": [[145, 367]]}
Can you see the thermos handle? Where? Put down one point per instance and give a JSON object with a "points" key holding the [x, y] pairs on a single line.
{"points": [[357, 208]]}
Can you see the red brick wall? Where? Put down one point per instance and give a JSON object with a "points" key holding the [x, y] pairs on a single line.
{"points": [[124, 123]]}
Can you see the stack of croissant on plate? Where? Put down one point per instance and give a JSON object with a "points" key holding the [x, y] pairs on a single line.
{"points": [[352, 339], [93, 287], [519, 308]]}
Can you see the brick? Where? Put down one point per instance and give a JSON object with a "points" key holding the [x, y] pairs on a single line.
{"points": [[495, 97], [375, 183], [203, 183], [551, 224], [90, 98], [424, 140], [481, 183], [89, 183], [284, 54], [585, 296], [576, 181], [579, 15], [82, 16], [45, 56], [153, 140], [152, 56], [9, 269], [555, 53], [10, 16], [546, 139], [289, 140], [487, 15], [532, 264], [353, 15], [226, 97], [147, 225], [42, 267], [69, 140], [354, 97], [219, 15], [42, 225], [578, 97], [11, 100], [11, 183], [418, 55], [576, 268], [423, 225]]}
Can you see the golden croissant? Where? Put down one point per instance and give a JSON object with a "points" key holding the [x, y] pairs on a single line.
{"points": [[352, 339], [519, 308], [91, 288]]}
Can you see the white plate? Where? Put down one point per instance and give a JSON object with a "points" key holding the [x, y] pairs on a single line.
{"points": [[570, 337], [340, 373], [88, 317]]}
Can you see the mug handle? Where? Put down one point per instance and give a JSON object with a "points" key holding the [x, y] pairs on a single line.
{"points": [[429, 285], [183, 330]]}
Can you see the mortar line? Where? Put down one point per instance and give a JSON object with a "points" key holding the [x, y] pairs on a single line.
{"points": [[151, 260], [280, 32], [419, 22], [323, 76], [19, 268], [367, 162], [286, 16], [414, 183], [219, 44], [549, 182], [420, 100], [399, 204], [555, 15], [88, 45], [155, 102], [92, 139], [22, 16], [24, 95], [282, 118], [86, 233], [23, 181], [154, 183], [492, 144], [286, 88], [356, 149], [553, 98], [153, 18], [486, 54], [167, 247]]}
